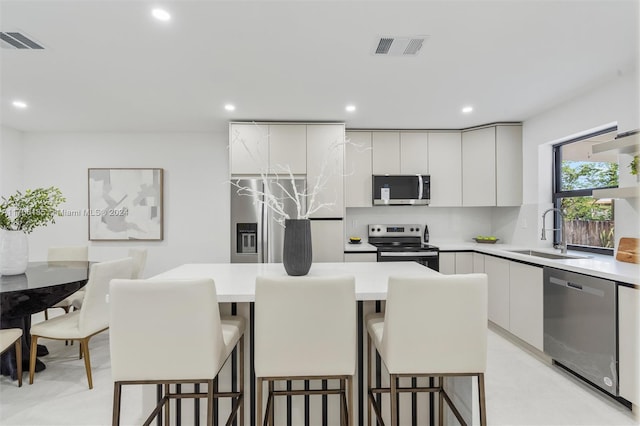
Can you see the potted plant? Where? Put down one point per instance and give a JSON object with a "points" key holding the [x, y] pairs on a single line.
{"points": [[20, 214]]}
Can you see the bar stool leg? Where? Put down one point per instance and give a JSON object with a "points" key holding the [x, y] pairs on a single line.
{"points": [[394, 401], [259, 402], [369, 379], [19, 360], [440, 401], [483, 408], [241, 379]]}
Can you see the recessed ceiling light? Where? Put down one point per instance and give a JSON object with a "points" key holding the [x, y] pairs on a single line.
{"points": [[161, 14], [350, 108], [230, 107], [19, 104], [467, 109]]}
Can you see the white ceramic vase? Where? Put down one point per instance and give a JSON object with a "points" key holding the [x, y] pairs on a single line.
{"points": [[14, 252]]}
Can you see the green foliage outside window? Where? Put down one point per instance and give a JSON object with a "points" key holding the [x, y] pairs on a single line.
{"points": [[584, 175]]}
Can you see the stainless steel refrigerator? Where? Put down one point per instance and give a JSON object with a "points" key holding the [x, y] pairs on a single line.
{"points": [[256, 237]]}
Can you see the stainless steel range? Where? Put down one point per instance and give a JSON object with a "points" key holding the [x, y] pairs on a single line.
{"points": [[403, 243]]}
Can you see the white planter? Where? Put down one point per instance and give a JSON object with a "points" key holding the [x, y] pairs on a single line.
{"points": [[14, 252]]}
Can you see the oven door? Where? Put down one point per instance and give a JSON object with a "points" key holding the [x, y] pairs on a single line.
{"points": [[430, 259]]}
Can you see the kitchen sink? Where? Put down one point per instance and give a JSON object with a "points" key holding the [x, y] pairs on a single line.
{"points": [[547, 255]]}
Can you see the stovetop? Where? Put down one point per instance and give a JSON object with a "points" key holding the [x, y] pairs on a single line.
{"points": [[398, 238], [397, 246]]}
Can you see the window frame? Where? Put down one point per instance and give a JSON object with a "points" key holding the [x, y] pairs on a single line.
{"points": [[557, 194]]}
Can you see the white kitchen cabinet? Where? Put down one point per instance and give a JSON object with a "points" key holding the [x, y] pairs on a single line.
{"points": [[478, 262], [248, 148], [360, 257], [526, 303], [287, 148], [386, 153], [325, 169], [464, 263], [447, 263], [497, 271], [508, 165], [445, 169], [357, 171], [629, 343], [479, 167], [327, 240], [414, 153]]}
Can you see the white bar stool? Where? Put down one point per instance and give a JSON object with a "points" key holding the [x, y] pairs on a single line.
{"points": [[433, 326], [305, 329]]}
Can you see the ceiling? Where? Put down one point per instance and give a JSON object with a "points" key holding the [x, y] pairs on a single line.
{"points": [[108, 66]]}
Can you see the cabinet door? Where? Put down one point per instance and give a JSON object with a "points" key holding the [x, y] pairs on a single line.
{"points": [[478, 263], [325, 169], [525, 303], [386, 153], [629, 343], [357, 171], [479, 167], [497, 271], [447, 263], [287, 148], [327, 240], [464, 263], [445, 168], [248, 148], [360, 257], [414, 153], [508, 165]]}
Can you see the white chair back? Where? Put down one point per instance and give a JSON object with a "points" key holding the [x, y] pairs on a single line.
{"points": [[436, 324], [94, 315], [139, 256], [68, 254], [153, 324], [305, 326]]}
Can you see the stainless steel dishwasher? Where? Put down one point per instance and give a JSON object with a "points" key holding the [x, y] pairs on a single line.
{"points": [[580, 329]]}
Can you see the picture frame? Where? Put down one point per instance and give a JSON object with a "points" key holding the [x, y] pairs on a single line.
{"points": [[125, 204]]}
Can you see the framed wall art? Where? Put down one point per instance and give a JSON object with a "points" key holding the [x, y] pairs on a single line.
{"points": [[125, 204]]}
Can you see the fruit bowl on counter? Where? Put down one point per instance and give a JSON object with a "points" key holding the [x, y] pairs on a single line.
{"points": [[486, 240]]}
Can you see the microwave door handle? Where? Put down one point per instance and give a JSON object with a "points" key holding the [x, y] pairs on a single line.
{"points": [[420, 187]]}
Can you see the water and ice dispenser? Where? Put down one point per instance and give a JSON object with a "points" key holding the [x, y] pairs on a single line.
{"points": [[247, 238]]}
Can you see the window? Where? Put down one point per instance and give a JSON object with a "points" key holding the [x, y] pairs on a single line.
{"points": [[588, 222]]}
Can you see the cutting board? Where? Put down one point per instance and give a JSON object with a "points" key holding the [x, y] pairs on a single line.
{"points": [[628, 250]]}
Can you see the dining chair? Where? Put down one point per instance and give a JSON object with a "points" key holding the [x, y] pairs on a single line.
{"points": [[432, 326], [92, 319], [139, 256], [179, 338], [68, 254], [305, 329], [13, 337]]}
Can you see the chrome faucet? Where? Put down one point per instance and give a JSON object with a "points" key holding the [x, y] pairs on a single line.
{"points": [[563, 243]]}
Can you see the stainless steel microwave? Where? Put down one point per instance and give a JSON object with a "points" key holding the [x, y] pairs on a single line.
{"points": [[402, 190]]}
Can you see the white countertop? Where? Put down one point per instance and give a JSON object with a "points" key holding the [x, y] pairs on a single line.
{"points": [[596, 265], [235, 282]]}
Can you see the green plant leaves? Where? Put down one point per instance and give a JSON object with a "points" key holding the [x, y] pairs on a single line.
{"points": [[25, 212]]}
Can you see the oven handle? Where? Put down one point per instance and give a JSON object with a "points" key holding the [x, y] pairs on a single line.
{"points": [[408, 254]]}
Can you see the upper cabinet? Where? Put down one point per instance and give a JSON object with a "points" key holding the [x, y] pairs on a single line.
{"points": [[445, 169], [386, 153], [248, 148], [257, 148], [357, 170], [287, 148], [414, 153], [325, 168], [492, 166]]}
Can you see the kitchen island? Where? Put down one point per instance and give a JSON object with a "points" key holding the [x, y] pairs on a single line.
{"points": [[235, 286]]}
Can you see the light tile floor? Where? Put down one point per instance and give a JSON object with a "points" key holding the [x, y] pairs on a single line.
{"points": [[520, 389]]}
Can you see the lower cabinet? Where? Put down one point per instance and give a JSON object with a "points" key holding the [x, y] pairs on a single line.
{"points": [[456, 263], [516, 298], [629, 343], [360, 257], [327, 240]]}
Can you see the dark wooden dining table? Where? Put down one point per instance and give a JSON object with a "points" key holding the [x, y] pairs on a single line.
{"points": [[43, 285]]}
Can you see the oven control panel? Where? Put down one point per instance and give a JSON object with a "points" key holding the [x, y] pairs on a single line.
{"points": [[395, 231]]}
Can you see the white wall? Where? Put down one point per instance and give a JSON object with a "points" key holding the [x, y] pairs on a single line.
{"points": [[196, 206], [615, 102], [11, 161]]}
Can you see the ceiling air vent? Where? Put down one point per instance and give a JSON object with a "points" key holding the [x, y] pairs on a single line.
{"points": [[398, 46], [15, 40]]}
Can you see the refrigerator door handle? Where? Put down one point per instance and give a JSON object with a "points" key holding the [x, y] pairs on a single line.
{"points": [[264, 249]]}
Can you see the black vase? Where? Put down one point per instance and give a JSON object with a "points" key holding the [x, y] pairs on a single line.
{"points": [[296, 254]]}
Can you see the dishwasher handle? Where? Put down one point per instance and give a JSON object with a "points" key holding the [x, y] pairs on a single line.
{"points": [[572, 285], [578, 287]]}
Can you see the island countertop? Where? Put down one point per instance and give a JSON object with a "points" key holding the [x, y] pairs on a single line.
{"points": [[235, 282]]}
